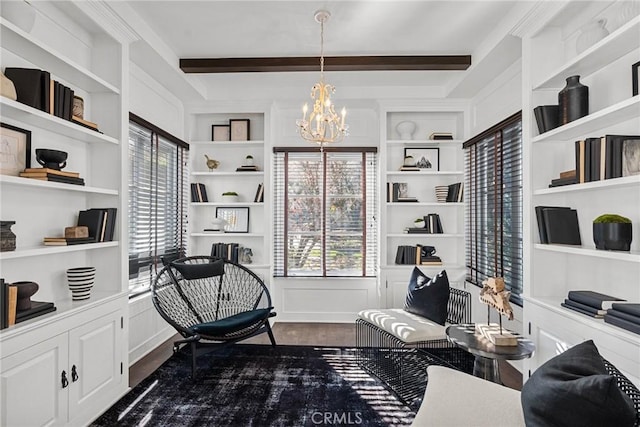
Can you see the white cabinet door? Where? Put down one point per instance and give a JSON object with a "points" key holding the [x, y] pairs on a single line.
{"points": [[33, 393], [95, 355]]}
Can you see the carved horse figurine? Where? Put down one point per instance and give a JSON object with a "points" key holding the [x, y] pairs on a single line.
{"points": [[494, 295], [245, 255]]}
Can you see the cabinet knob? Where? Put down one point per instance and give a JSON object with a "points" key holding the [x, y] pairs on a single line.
{"points": [[65, 381], [74, 374]]}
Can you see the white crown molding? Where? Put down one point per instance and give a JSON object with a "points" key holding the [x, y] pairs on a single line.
{"points": [[103, 14], [537, 17]]}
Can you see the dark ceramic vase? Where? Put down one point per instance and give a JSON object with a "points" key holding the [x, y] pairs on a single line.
{"points": [[25, 291], [612, 236], [547, 117], [573, 100], [7, 237]]}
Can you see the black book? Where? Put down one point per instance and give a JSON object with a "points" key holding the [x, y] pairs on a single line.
{"points": [[629, 308], [56, 98], [45, 92], [415, 230], [624, 324], [110, 223], [203, 193], [595, 159], [613, 154], [400, 255], [558, 182], [585, 307], [93, 220], [38, 308], [594, 299], [583, 161], [579, 310], [561, 226], [622, 315], [4, 304], [28, 84], [194, 193], [67, 101], [542, 230]]}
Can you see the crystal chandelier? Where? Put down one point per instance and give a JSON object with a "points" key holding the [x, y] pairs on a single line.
{"points": [[323, 125]]}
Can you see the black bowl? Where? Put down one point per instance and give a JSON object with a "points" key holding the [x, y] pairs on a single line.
{"points": [[52, 159]]}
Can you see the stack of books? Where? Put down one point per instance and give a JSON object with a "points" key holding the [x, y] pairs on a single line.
{"points": [[625, 316], [66, 241], [53, 175], [417, 255], [101, 223], [227, 251], [247, 169], [558, 225], [606, 157], [398, 192], [566, 178], [37, 89], [590, 303], [9, 313], [454, 193], [198, 193], [433, 225], [441, 135]]}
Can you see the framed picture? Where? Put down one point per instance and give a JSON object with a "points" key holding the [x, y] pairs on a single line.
{"points": [[425, 158], [237, 219], [634, 78], [220, 132], [15, 149], [631, 157], [239, 129]]}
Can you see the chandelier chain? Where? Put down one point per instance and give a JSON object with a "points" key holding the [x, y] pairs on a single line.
{"points": [[322, 50]]}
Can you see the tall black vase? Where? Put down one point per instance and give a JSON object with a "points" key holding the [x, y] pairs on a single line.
{"points": [[573, 100]]}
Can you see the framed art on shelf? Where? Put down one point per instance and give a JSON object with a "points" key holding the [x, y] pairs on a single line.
{"points": [[425, 158], [239, 129], [15, 149], [220, 132], [237, 219]]}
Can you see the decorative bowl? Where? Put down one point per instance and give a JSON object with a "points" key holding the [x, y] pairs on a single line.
{"points": [[52, 159]]}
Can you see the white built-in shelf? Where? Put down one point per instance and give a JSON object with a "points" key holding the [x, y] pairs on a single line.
{"points": [[64, 308], [230, 173], [28, 182], [426, 235], [226, 204], [227, 143], [410, 266], [50, 59], [553, 304], [626, 181], [52, 250], [434, 204], [399, 172], [590, 252], [426, 142], [617, 44], [39, 119], [593, 123], [226, 235]]}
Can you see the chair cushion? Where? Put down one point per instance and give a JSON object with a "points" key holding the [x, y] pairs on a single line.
{"points": [[233, 323], [455, 399], [407, 327], [574, 388], [428, 297], [199, 271]]}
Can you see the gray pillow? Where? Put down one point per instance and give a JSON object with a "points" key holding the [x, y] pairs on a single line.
{"points": [[574, 389], [428, 297]]}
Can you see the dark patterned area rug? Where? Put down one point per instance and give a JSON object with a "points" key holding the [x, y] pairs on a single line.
{"points": [[259, 385]]}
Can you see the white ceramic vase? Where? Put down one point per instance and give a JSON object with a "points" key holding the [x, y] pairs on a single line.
{"points": [[80, 281], [405, 129]]}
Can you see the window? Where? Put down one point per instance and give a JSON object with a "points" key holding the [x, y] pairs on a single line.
{"points": [[325, 205], [157, 201], [493, 210]]}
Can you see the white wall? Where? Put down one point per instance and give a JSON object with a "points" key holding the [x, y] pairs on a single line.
{"points": [[151, 101]]}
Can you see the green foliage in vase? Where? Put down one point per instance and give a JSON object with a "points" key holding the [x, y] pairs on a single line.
{"points": [[611, 218]]}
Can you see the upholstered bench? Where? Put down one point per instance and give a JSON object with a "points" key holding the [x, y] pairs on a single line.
{"points": [[397, 346], [577, 387]]}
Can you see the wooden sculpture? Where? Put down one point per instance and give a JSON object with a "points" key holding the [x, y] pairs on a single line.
{"points": [[495, 296]]}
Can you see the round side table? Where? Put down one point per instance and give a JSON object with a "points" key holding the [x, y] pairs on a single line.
{"points": [[486, 353]]}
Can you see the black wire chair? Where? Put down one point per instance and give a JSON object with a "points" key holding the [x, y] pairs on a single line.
{"points": [[212, 303]]}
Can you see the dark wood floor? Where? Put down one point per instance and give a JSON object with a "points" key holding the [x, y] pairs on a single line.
{"points": [[320, 334]]}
